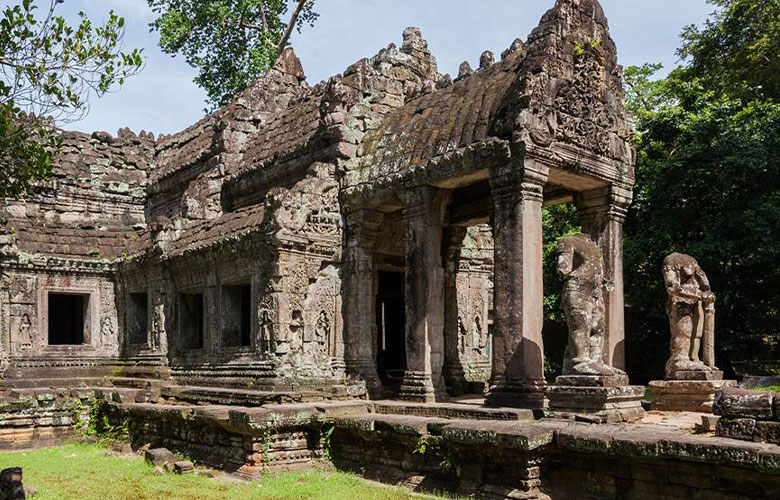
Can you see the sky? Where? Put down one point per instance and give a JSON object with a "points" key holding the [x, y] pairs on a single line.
{"points": [[164, 99]]}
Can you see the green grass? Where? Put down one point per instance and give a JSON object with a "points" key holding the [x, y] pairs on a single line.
{"points": [[774, 388], [86, 472]]}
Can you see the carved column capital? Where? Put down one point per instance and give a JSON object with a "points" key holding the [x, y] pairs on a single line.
{"points": [[526, 180], [426, 202], [362, 227], [609, 203]]}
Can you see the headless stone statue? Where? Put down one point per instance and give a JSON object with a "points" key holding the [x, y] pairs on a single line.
{"points": [[581, 264], [691, 310]]}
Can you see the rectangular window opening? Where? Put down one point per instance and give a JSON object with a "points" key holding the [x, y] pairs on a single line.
{"points": [[191, 320], [68, 318], [139, 318], [236, 315]]}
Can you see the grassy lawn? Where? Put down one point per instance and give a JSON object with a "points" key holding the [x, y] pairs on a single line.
{"points": [[774, 388], [86, 472]]}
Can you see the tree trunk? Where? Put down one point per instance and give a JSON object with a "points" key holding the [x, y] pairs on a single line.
{"points": [[291, 26]]}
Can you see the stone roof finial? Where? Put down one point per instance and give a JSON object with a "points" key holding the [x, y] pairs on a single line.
{"points": [[517, 45], [464, 70], [413, 40], [486, 60]]}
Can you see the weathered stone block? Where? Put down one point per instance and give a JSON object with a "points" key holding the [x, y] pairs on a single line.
{"points": [[708, 423], [741, 403], [696, 375], [767, 432], [183, 467], [160, 456], [687, 395], [11, 484], [737, 428], [609, 404], [615, 380]]}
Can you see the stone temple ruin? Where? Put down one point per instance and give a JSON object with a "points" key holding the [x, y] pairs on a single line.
{"points": [[353, 254]]}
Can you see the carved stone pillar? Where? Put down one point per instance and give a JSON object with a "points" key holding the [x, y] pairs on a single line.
{"points": [[454, 374], [602, 213], [424, 214], [518, 352], [359, 296]]}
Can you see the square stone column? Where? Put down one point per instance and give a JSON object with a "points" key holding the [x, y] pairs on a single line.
{"points": [[424, 215], [454, 373], [518, 317], [360, 297], [602, 213]]}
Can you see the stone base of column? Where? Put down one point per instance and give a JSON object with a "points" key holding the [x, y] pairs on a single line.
{"points": [[687, 395], [363, 370], [527, 394], [455, 378], [597, 404], [418, 387]]}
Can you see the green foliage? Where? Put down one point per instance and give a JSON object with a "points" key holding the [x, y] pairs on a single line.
{"points": [[26, 150], [100, 420], [432, 448], [708, 184], [736, 51], [326, 435], [644, 93], [230, 42], [421, 448], [48, 70]]}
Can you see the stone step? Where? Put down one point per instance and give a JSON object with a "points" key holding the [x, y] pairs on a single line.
{"points": [[401, 424], [451, 411], [137, 383], [54, 383], [246, 397]]}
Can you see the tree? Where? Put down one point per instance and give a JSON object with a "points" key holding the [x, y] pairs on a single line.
{"points": [[708, 184], [736, 51], [48, 70], [230, 42]]}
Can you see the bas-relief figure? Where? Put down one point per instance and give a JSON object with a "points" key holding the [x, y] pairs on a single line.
{"points": [[267, 341], [691, 310], [581, 264], [25, 331]]}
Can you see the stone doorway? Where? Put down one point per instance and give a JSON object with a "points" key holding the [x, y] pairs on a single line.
{"points": [[68, 318], [391, 328]]}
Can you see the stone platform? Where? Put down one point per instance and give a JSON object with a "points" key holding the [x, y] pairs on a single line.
{"points": [[490, 453], [687, 395], [461, 446]]}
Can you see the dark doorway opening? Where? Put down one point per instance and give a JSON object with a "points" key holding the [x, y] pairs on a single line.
{"points": [[191, 320], [139, 318], [391, 327], [237, 316], [67, 318]]}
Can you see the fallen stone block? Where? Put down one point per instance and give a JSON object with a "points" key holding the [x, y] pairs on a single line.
{"points": [[767, 432], [183, 467], [736, 428], [742, 403], [708, 424], [160, 456], [11, 484]]}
